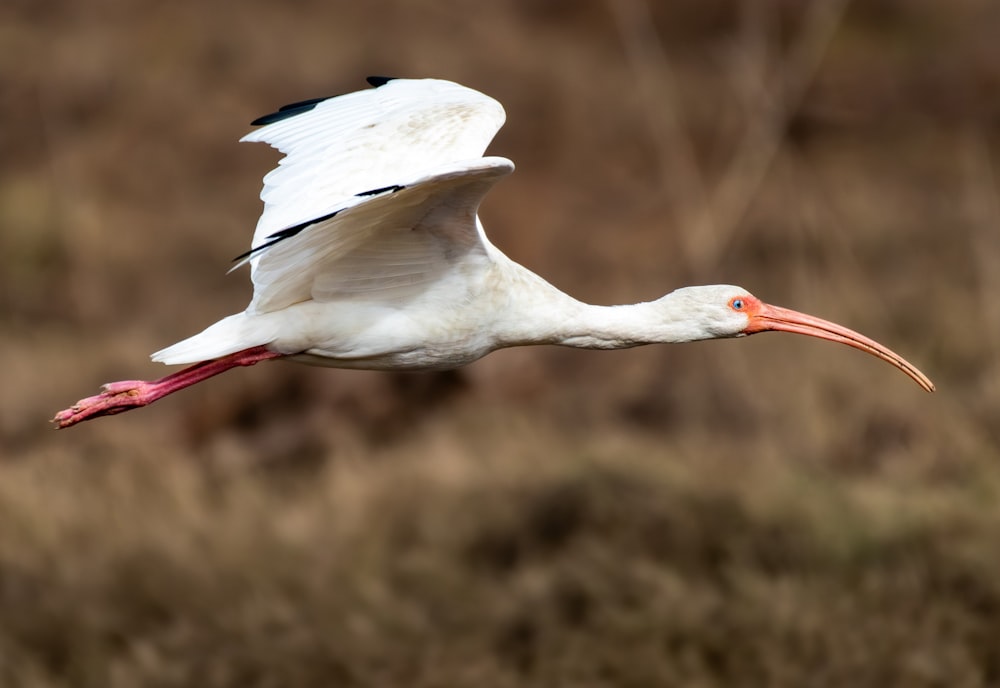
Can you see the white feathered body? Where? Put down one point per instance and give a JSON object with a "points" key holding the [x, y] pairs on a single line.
{"points": [[397, 173], [456, 319], [369, 252]]}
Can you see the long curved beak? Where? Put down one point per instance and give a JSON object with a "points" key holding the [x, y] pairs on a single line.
{"points": [[775, 318]]}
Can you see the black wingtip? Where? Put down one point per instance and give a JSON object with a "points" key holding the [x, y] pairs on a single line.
{"points": [[375, 192], [286, 233], [290, 110], [377, 81]]}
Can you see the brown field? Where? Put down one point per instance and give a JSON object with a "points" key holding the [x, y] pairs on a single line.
{"points": [[774, 511]]}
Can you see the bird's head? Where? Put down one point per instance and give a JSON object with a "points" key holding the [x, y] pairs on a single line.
{"points": [[723, 310]]}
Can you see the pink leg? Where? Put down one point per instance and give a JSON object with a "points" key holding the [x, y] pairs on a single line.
{"points": [[126, 395]]}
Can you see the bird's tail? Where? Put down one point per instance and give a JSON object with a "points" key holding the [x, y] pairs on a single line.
{"points": [[225, 337]]}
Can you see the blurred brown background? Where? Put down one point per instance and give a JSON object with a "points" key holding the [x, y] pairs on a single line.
{"points": [[771, 511]]}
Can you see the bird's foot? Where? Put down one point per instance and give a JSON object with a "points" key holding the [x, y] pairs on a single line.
{"points": [[115, 397]]}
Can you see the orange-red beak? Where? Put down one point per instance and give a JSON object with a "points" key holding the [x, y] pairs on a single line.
{"points": [[766, 317]]}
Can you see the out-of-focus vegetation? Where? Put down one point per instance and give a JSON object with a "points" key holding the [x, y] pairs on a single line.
{"points": [[771, 511]]}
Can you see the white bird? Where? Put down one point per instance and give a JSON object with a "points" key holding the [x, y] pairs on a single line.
{"points": [[369, 254]]}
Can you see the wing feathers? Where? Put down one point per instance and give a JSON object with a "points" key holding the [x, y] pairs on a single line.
{"points": [[361, 172], [289, 232], [368, 140], [290, 110], [396, 239], [272, 239]]}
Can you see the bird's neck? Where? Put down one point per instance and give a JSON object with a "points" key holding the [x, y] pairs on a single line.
{"points": [[539, 313]]}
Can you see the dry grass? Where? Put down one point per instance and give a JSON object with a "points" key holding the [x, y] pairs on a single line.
{"points": [[764, 512], [607, 561]]}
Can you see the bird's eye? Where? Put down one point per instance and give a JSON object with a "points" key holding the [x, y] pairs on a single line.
{"points": [[736, 304]]}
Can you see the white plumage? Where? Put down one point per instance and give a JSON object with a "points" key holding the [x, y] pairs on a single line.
{"points": [[369, 254], [416, 242], [397, 133]]}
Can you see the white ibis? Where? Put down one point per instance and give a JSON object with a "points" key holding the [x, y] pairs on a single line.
{"points": [[369, 254]]}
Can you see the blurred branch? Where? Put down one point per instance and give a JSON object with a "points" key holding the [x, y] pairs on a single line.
{"points": [[767, 126], [713, 216], [983, 207], [685, 185]]}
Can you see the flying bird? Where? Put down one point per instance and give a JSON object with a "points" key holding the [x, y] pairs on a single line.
{"points": [[370, 254]]}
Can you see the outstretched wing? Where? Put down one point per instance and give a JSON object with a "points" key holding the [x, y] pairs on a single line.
{"points": [[388, 248], [361, 170]]}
